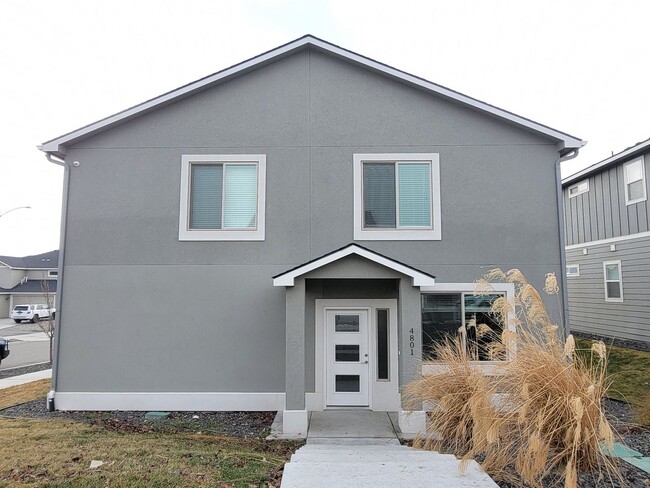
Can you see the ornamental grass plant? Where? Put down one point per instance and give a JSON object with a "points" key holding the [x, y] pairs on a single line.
{"points": [[536, 419]]}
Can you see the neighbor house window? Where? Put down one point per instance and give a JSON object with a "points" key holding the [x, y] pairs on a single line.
{"points": [[222, 197], [465, 315], [397, 197], [635, 188], [613, 281], [573, 270], [579, 188], [52, 273]]}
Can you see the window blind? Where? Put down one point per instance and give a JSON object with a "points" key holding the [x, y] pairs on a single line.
{"points": [[240, 198], [205, 210], [414, 183], [379, 195]]}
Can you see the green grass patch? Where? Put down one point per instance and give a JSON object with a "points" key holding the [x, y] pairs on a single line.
{"points": [[629, 374]]}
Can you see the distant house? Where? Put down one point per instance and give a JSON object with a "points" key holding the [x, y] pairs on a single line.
{"points": [[21, 279], [270, 236], [607, 227]]}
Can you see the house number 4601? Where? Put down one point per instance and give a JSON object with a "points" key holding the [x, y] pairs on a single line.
{"points": [[412, 341]]}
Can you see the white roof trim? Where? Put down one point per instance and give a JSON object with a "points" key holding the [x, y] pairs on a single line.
{"points": [[419, 278], [57, 145], [606, 162]]}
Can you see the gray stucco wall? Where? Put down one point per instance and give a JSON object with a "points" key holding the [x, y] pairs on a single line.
{"points": [[601, 213], [588, 309], [204, 316]]}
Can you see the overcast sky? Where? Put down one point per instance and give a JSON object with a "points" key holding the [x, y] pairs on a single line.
{"points": [[577, 66]]}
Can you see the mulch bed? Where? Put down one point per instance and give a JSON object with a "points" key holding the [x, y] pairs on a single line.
{"points": [[234, 424]]}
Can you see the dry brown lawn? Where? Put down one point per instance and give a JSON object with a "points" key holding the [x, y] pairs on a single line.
{"points": [[24, 393], [57, 453]]}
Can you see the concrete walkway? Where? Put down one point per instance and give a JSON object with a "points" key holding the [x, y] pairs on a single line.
{"points": [[25, 378], [361, 449]]}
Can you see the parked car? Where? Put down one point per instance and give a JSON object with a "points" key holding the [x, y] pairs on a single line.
{"points": [[4, 348], [32, 313]]}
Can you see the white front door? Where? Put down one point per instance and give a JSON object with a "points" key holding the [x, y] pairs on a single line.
{"points": [[346, 368]]}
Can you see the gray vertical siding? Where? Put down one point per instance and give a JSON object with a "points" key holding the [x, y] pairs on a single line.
{"points": [[601, 213], [589, 312]]}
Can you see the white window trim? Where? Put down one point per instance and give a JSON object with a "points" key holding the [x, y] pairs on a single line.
{"points": [[577, 266], [52, 273], [361, 234], [582, 186], [619, 281], [187, 234], [640, 161]]}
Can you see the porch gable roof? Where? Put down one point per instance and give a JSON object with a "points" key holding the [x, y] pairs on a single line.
{"points": [[420, 278]]}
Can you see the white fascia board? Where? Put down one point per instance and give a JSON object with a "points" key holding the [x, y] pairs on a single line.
{"points": [[606, 162], [57, 145], [419, 279]]}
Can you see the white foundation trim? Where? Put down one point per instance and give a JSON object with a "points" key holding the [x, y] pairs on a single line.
{"points": [[295, 422], [170, 401], [411, 422]]}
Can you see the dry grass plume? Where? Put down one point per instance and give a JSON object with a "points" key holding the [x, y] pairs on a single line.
{"points": [[548, 425]]}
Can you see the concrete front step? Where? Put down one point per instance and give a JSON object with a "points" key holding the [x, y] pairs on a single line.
{"points": [[373, 474], [361, 453], [364, 457]]}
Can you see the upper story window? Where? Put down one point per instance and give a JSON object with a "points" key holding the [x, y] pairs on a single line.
{"points": [[222, 197], [397, 197], [579, 188], [635, 187]]}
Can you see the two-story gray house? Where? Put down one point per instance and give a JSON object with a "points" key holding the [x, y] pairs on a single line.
{"points": [[607, 226], [27, 280], [292, 233]]}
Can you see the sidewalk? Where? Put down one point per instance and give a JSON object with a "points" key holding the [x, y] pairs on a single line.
{"points": [[25, 378]]}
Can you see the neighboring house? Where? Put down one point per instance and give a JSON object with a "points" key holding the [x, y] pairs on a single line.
{"points": [[607, 226], [266, 238], [21, 280]]}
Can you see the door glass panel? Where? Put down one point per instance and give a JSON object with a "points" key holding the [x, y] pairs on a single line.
{"points": [[382, 344], [348, 383], [346, 323], [347, 352]]}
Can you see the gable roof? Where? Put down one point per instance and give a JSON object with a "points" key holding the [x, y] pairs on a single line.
{"points": [[47, 260], [57, 146], [420, 278], [629, 153]]}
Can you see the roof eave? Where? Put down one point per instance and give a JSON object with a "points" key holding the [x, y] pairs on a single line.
{"points": [[58, 145], [630, 152]]}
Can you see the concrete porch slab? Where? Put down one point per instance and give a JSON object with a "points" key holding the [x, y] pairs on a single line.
{"points": [[350, 424]]}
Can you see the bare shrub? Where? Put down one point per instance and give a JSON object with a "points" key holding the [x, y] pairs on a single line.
{"points": [[550, 424]]}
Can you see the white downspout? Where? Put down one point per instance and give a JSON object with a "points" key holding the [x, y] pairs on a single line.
{"points": [[560, 215], [57, 320]]}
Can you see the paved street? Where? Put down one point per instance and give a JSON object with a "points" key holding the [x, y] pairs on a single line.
{"points": [[27, 343]]}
